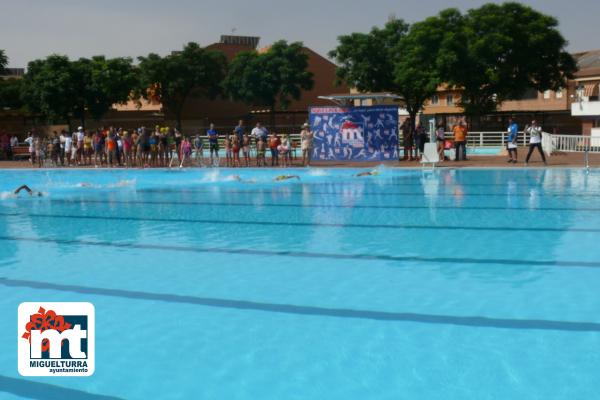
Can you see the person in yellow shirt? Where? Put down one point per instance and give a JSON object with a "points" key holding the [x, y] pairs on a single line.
{"points": [[460, 140]]}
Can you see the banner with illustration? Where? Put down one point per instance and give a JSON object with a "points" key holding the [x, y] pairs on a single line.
{"points": [[355, 133]]}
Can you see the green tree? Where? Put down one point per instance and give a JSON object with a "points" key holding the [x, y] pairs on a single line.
{"points": [[172, 79], [396, 58], [3, 60], [272, 78], [102, 83], [10, 94], [61, 89], [50, 87], [500, 51]]}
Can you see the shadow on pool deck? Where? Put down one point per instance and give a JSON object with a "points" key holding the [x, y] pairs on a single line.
{"points": [[468, 321], [44, 391]]}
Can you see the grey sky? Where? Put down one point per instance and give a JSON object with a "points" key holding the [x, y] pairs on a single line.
{"points": [[34, 29]]}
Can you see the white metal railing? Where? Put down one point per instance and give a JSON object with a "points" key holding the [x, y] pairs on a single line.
{"points": [[489, 139], [572, 143]]}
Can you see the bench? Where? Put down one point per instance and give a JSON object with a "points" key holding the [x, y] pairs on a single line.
{"points": [[20, 152]]}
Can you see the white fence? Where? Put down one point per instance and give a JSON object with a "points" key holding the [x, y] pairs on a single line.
{"points": [[489, 139], [571, 143]]}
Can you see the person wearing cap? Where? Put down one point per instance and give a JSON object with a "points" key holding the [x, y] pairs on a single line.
{"points": [[306, 144]]}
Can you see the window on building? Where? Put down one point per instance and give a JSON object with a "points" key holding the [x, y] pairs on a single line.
{"points": [[559, 94], [435, 99], [530, 94], [546, 95], [450, 99]]}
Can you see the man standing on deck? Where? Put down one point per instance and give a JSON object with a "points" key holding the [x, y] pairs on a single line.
{"points": [[213, 143], [511, 142], [460, 140], [259, 133]]}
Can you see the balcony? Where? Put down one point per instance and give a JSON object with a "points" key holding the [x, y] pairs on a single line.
{"points": [[585, 109]]}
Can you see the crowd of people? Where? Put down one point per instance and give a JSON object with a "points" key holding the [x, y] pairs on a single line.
{"points": [[166, 147]]}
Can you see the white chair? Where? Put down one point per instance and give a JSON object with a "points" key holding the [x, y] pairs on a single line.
{"points": [[430, 155]]}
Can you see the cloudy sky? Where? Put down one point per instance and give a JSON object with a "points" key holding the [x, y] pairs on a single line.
{"points": [[33, 29]]}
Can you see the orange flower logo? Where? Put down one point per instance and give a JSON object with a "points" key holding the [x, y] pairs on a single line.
{"points": [[42, 321]]}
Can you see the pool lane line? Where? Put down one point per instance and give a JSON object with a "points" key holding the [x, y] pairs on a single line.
{"points": [[298, 205], [281, 308], [299, 224], [46, 391], [358, 192], [302, 254]]}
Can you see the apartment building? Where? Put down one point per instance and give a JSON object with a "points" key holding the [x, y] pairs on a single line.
{"points": [[573, 110]]}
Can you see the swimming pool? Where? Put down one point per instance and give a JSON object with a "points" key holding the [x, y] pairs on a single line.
{"points": [[453, 284]]}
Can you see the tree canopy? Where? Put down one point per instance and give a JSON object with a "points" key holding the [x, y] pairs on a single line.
{"points": [[10, 94], [62, 89], [493, 53], [50, 87], [3, 60], [105, 83], [500, 51], [272, 78], [172, 79], [397, 59]]}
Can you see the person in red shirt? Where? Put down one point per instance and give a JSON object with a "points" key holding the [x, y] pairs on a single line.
{"points": [[274, 143]]}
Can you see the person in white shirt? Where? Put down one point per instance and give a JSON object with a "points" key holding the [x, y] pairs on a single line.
{"points": [[68, 148], [80, 134], [31, 142], [306, 144], [535, 141], [14, 141], [62, 138], [259, 132]]}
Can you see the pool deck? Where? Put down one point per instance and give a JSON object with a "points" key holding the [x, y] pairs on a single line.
{"points": [[564, 160]]}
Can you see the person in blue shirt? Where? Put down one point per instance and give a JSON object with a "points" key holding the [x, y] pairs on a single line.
{"points": [[213, 141], [511, 142]]}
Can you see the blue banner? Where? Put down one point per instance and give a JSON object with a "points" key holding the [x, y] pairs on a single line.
{"points": [[355, 133]]}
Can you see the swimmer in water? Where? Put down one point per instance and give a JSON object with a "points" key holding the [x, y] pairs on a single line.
{"points": [[368, 173], [286, 177], [28, 190], [238, 178]]}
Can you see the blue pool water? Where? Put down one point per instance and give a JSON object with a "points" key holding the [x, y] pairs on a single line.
{"points": [[453, 284]]}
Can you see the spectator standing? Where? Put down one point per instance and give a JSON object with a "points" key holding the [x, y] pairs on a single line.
{"points": [[460, 140], [213, 143], [306, 144], [14, 142], [407, 138], [535, 141], [440, 139], [259, 132], [511, 142], [30, 140], [274, 143]]}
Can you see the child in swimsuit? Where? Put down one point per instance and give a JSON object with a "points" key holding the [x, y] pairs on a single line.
{"points": [[246, 149], [260, 153], [235, 146], [284, 150], [228, 153]]}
